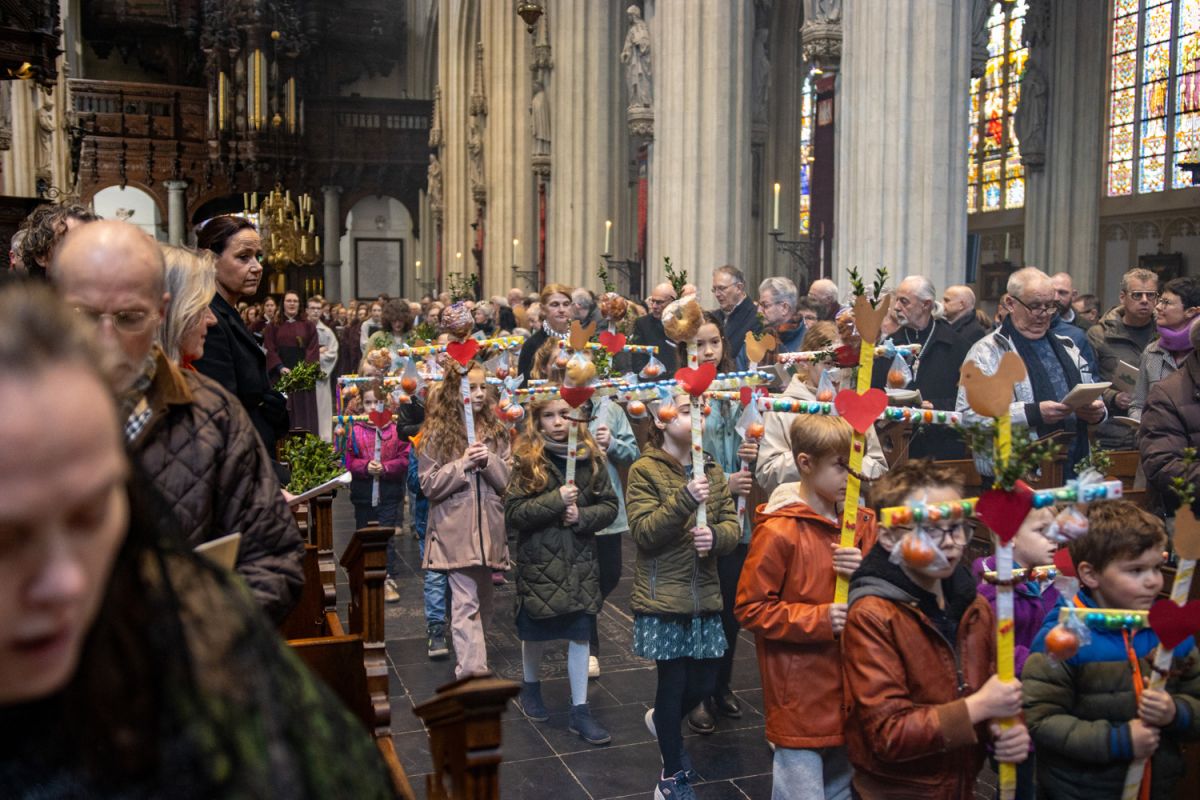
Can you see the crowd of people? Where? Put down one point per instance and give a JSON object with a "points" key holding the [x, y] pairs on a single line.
{"points": [[167, 372]]}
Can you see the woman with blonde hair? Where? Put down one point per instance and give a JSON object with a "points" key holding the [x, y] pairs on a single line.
{"points": [[191, 280]]}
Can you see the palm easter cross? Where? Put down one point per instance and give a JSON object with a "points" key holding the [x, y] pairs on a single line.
{"points": [[681, 321], [577, 387]]}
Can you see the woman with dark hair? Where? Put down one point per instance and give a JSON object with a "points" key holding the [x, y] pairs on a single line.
{"points": [[270, 312], [129, 665], [1175, 314], [232, 356], [291, 340]]}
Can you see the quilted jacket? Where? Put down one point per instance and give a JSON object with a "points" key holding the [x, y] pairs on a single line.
{"points": [[203, 454], [557, 569], [1170, 424], [466, 510]]}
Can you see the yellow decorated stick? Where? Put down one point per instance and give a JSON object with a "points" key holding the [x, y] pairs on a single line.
{"points": [[858, 446], [697, 438], [1005, 626]]}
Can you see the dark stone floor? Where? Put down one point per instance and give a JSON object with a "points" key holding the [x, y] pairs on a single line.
{"points": [[543, 760]]}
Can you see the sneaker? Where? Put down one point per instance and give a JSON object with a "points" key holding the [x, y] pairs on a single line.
{"points": [[727, 705], [584, 724], [676, 787], [531, 702], [685, 760], [701, 719], [436, 646], [593, 667], [391, 593]]}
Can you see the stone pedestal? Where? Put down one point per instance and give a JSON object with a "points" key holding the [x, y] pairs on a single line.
{"points": [[700, 167], [902, 135], [335, 287], [176, 212]]}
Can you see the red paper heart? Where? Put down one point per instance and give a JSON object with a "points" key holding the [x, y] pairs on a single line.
{"points": [[462, 352], [695, 381], [576, 395], [846, 356], [749, 392], [1065, 564], [613, 342], [860, 410], [380, 418], [1003, 512], [1173, 623]]}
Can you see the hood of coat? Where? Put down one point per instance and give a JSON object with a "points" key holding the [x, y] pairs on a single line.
{"points": [[879, 577], [786, 501], [661, 456]]}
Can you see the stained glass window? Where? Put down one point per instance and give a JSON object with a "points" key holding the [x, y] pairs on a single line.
{"points": [[1154, 95], [808, 110], [995, 174]]}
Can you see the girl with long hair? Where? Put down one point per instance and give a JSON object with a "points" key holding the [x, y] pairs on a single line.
{"points": [[558, 573], [465, 485]]}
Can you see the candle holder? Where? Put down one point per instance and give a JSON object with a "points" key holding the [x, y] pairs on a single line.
{"points": [[803, 253], [631, 269], [529, 275]]}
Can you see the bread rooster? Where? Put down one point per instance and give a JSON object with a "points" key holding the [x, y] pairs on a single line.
{"points": [[991, 395]]}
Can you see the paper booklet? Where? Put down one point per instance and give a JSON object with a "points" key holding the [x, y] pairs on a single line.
{"points": [[324, 488], [1125, 377], [1085, 393], [223, 551]]}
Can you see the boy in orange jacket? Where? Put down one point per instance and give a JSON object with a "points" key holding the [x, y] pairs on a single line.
{"points": [[785, 597]]}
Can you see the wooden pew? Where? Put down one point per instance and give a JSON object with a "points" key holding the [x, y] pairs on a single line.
{"points": [[463, 720], [1124, 467], [316, 612]]}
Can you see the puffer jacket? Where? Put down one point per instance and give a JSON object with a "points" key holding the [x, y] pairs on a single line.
{"points": [[908, 731], [206, 459], [1171, 423], [783, 598], [557, 568], [670, 577], [466, 510], [1078, 713]]}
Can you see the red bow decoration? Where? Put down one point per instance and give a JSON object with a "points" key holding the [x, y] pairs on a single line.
{"points": [[860, 410], [695, 381], [1004, 511], [462, 352], [1173, 623], [576, 395], [613, 342], [380, 418], [1065, 564]]}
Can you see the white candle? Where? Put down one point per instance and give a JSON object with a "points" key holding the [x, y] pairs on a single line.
{"points": [[775, 215], [515, 243], [607, 235], [418, 266]]}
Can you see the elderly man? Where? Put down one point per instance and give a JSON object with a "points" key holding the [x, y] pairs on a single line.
{"points": [[935, 368], [516, 297], [1053, 366], [1066, 323], [958, 309], [777, 298], [1123, 335], [825, 293], [186, 434], [736, 310], [16, 265], [649, 330], [583, 307]]}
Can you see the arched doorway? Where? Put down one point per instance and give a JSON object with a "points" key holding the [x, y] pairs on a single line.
{"points": [[378, 249], [134, 205]]}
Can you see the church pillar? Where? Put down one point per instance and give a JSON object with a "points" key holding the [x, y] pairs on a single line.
{"points": [[1062, 200], [700, 162], [458, 31], [20, 160], [901, 140], [337, 286], [176, 211], [587, 133]]}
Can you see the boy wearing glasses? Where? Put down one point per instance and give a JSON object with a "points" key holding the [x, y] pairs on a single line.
{"points": [[919, 657], [785, 596]]}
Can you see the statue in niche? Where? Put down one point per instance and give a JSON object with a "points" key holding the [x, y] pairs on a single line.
{"points": [[5, 115], [539, 115], [980, 11], [635, 55], [760, 80], [434, 175], [475, 154], [45, 137], [1029, 122], [827, 11]]}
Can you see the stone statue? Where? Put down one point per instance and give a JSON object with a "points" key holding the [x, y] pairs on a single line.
{"points": [[635, 55], [980, 11], [760, 80], [475, 154], [45, 137], [539, 113], [828, 11], [435, 123], [434, 174], [1029, 121]]}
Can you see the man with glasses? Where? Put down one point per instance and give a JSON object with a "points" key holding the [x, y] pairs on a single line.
{"points": [[1067, 322], [1123, 334], [649, 330], [777, 299], [190, 438], [736, 310], [1053, 366]]}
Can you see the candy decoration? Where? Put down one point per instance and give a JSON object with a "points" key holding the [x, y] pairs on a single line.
{"points": [[921, 512], [916, 552], [1062, 643], [918, 416]]}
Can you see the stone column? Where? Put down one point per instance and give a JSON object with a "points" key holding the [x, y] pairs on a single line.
{"points": [[458, 31], [176, 212], [901, 139], [700, 176], [337, 286], [1062, 200]]}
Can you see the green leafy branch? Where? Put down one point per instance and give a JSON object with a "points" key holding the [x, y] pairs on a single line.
{"points": [[1028, 453], [1184, 489], [678, 279], [602, 274], [463, 288], [1098, 459], [302, 378], [312, 462], [859, 288]]}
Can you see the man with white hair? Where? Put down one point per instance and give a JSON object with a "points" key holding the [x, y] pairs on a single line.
{"points": [[735, 310], [825, 292], [648, 329], [777, 298], [958, 308], [1053, 367]]}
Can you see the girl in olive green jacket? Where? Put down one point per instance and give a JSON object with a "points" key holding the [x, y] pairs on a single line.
{"points": [[676, 592]]}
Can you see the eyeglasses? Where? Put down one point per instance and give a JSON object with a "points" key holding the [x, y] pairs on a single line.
{"points": [[1164, 302], [1144, 295], [957, 533], [1037, 309], [131, 322], [659, 301], [719, 289]]}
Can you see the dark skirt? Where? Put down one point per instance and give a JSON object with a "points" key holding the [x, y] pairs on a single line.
{"points": [[575, 626], [302, 409]]}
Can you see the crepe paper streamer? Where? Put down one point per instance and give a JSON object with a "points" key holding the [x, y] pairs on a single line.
{"points": [[572, 450], [503, 342], [1047, 573], [1180, 590], [729, 381], [628, 348], [885, 350], [697, 415], [928, 512], [378, 459], [468, 410], [394, 380], [1005, 624], [917, 416], [1109, 619], [858, 446], [1108, 490]]}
